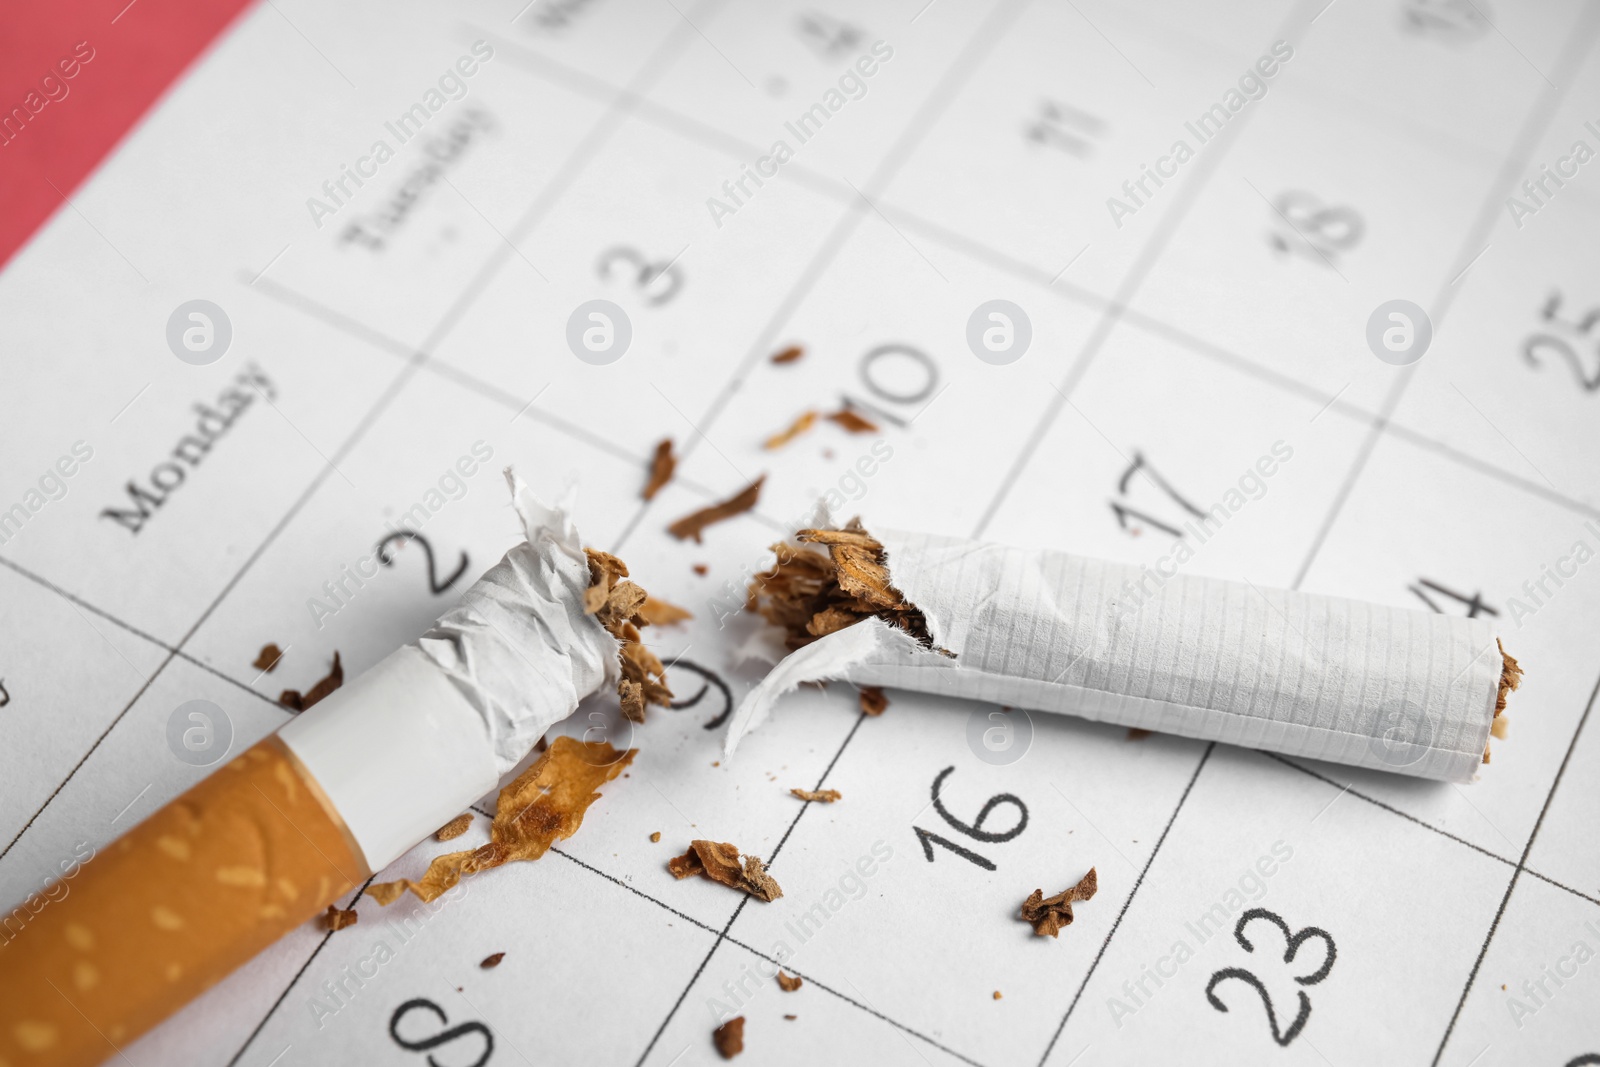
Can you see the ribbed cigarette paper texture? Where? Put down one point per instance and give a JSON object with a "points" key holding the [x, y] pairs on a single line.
{"points": [[1306, 675]]}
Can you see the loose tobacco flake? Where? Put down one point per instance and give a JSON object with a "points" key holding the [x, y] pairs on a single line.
{"points": [[729, 1037], [293, 698], [662, 465], [852, 422], [619, 608], [545, 804], [873, 702], [454, 828], [692, 525], [659, 612], [719, 861], [1049, 914], [267, 659], [809, 594], [800, 425], [821, 796]]}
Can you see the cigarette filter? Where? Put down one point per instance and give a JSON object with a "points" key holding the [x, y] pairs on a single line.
{"points": [[1306, 675], [306, 815]]}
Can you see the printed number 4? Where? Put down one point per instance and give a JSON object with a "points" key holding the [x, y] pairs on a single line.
{"points": [[973, 829]]}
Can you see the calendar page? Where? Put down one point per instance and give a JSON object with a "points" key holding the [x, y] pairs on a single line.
{"points": [[1067, 274]]}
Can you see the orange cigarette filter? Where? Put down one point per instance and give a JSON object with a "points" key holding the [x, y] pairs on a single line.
{"points": [[173, 907], [298, 821]]}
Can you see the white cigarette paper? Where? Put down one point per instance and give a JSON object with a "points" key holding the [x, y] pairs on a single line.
{"points": [[1306, 675], [413, 741]]}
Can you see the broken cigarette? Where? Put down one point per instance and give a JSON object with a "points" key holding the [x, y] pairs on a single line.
{"points": [[1315, 676], [300, 819]]}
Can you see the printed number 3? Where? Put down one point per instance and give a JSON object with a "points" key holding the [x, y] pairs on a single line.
{"points": [[645, 273]]}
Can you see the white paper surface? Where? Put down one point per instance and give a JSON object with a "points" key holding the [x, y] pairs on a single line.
{"points": [[1307, 675], [1168, 353]]}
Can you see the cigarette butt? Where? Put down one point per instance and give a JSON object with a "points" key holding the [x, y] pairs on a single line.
{"points": [[1323, 677], [171, 908], [297, 822]]}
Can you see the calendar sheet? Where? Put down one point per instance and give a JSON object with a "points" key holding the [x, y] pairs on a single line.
{"points": [[1081, 266]]}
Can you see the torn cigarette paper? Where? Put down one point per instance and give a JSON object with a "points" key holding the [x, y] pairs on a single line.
{"points": [[465, 703], [519, 646], [1306, 675]]}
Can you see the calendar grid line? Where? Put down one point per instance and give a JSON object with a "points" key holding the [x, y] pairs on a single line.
{"points": [[1391, 809], [492, 392], [85, 757], [636, 891], [316, 483], [556, 188], [383, 400], [1165, 227], [1532, 129], [1128, 902], [1131, 315], [1429, 826], [1580, 894], [996, 151], [771, 859], [853, 1002], [687, 126], [458, 307], [295, 980], [94, 609], [239, 684], [1511, 886], [476, 384], [857, 208], [552, 192]]}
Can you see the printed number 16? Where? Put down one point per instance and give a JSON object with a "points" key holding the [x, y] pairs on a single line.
{"points": [[973, 829]]}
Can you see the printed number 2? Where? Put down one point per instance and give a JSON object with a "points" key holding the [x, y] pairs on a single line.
{"points": [[973, 829], [434, 585]]}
